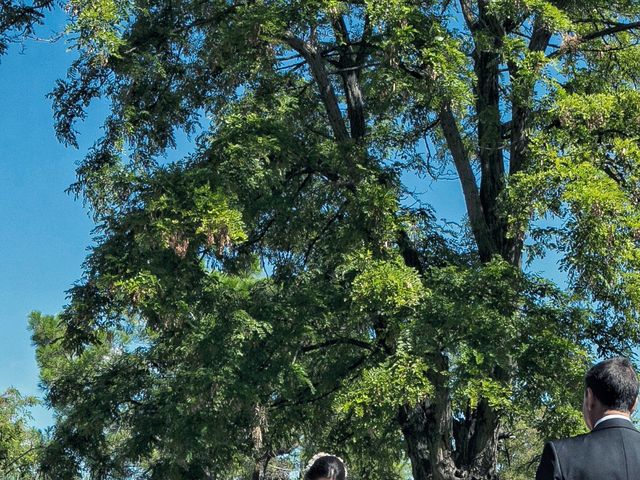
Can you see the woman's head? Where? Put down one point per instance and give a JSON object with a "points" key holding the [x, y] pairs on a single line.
{"points": [[326, 467]]}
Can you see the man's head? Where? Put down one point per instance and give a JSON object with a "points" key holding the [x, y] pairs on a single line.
{"points": [[611, 387], [326, 467]]}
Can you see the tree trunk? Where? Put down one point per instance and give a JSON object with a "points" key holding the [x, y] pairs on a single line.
{"points": [[433, 453], [257, 433], [414, 423], [428, 440], [260, 469], [441, 450], [476, 439]]}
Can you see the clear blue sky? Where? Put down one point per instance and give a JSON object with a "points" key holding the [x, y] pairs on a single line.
{"points": [[44, 232]]}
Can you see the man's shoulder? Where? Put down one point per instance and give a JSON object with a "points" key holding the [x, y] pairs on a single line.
{"points": [[598, 436], [570, 442]]}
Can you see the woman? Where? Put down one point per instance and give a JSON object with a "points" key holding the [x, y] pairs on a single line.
{"points": [[324, 466]]}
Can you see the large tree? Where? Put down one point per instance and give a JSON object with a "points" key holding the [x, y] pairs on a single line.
{"points": [[284, 288]]}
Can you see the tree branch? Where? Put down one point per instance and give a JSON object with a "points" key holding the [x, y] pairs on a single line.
{"points": [[617, 28], [521, 110], [467, 181], [349, 69], [280, 403], [327, 94], [338, 341], [467, 13], [620, 27], [323, 230]]}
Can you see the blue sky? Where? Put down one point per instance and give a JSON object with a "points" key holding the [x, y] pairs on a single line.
{"points": [[45, 232]]}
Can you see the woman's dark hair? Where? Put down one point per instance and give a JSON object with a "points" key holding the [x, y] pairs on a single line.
{"points": [[326, 466], [614, 383]]}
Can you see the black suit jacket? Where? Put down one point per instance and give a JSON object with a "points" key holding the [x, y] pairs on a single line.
{"points": [[611, 451]]}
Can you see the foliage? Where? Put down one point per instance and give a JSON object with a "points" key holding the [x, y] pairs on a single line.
{"points": [[282, 290], [19, 442], [18, 19]]}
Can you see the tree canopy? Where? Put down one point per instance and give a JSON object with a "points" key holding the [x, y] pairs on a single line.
{"points": [[283, 289]]}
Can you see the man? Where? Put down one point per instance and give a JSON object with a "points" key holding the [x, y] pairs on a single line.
{"points": [[611, 451]]}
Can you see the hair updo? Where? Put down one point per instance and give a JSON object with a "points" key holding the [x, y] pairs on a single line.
{"points": [[326, 466]]}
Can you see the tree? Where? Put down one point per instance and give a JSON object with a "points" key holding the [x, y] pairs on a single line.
{"points": [[19, 442], [374, 329]]}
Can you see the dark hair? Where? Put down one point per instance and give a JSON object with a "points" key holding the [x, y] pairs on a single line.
{"points": [[614, 383], [326, 466]]}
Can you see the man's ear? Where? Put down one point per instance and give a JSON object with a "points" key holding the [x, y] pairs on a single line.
{"points": [[633, 407], [587, 407], [588, 395]]}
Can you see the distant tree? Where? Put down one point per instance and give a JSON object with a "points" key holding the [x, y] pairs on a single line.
{"points": [[19, 442], [284, 288]]}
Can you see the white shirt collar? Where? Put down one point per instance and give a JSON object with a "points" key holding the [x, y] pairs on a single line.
{"points": [[609, 417]]}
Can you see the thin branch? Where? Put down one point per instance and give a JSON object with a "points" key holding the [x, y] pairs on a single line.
{"points": [[292, 67], [414, 73], [355, 68], [13, 465], [620, 27], [341, 30], [354, 366], [323, 230], [289, 57], [201, 22], [338, 341], [319, 133]]}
